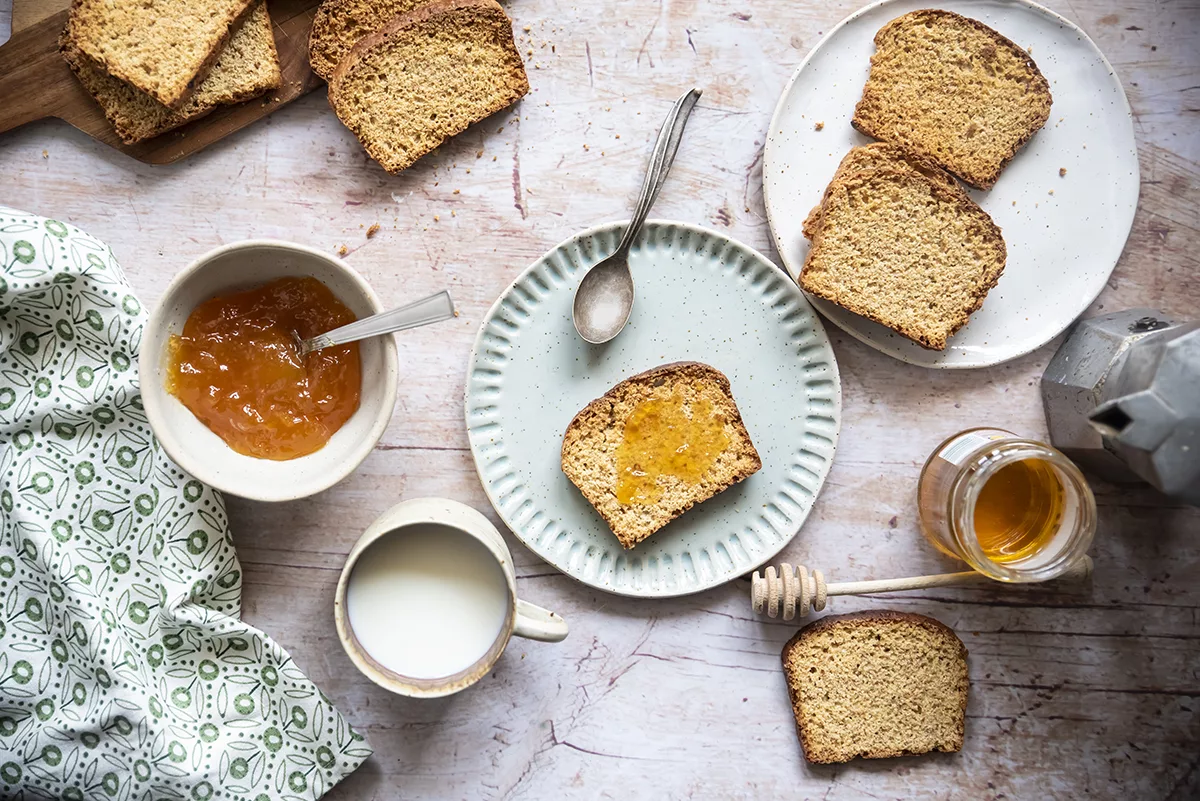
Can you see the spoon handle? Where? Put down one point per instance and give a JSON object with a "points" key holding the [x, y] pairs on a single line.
{"points": [[432, 309], [661, 159]]}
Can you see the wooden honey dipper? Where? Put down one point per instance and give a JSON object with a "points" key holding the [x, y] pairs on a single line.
{"points": [[794, 587]]}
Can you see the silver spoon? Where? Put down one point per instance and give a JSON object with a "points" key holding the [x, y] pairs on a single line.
{"points": [[604, 297], [432, 309]]}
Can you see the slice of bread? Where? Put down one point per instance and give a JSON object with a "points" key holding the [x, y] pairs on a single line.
{"points": [[954, 90], [879, 155], [426, 76], [876, 684], [247, 67], [685, 444], [339, 24], [163, 47], [906, 252]]}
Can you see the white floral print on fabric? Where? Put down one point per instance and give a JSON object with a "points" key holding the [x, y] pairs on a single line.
{"points": [[125, 671]]}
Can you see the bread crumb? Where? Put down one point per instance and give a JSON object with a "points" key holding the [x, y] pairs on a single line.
{"points": [[820, 126], [374, 229], [342, 250], [453, 213], [527, 29], [436, 218], [1062, 171], [45, 154], [456, 191], [478, 154], [1052, 191]]}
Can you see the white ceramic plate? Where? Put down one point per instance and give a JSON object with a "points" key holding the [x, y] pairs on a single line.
{"points": [[701, 297], [1061, 246]]}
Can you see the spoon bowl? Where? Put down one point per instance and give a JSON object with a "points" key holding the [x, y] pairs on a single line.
{"points": [[603, 309], [604, 298]]}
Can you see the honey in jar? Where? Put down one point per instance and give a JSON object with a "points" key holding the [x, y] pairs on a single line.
{"points": [[667, 436], [1018, 510], [237, 367], [1014, 509]]}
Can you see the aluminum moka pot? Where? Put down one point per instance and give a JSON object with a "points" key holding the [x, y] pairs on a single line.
{"points": [[1122, 399]]}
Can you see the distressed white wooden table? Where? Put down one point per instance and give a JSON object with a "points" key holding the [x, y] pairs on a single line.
{"points": [[1090, 692]]}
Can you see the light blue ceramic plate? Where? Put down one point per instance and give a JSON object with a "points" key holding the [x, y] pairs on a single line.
{"points": [[700, 297]]}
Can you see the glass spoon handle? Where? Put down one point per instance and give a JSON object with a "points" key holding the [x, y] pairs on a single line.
{"points": [[432, 309]]}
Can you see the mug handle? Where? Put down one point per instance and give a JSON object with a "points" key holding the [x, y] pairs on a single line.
{"points": [[536, 623]]}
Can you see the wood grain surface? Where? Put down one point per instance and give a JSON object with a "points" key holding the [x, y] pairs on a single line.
{"points": [[35, 82], [1092, 691]]}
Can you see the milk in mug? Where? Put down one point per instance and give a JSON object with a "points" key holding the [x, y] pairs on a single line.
{"points": [[427, 601]]}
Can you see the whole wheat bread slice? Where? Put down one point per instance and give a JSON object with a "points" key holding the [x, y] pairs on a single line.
{"points": [[426, 76], [953, 90], [247, 66], [163, 47], [906, 252], [879, 155], [591, 443], [340, 24], [876, 684]]}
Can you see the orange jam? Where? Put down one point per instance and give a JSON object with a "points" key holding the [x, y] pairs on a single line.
{"points": [[238, 368], [667, 436]]}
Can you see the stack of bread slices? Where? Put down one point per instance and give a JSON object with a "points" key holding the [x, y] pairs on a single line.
{"points": [[153, 65], [406, 75], [895, 238]]}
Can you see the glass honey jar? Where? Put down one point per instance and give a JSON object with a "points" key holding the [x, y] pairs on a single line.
{"points": [[1012, 508]]}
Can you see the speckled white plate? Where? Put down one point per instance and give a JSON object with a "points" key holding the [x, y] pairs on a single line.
{"points": [[702, 297], [1061, 246]]}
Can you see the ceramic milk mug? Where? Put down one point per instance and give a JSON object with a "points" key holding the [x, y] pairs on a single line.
{"points": [[422, 594]]}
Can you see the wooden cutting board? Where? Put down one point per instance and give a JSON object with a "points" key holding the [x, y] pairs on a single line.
{"points": [[36, 83]]}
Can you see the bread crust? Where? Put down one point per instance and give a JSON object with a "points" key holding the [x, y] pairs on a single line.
{"points": [[866, 126], [324, 38], [174, 100], [887, 150], [867, 618], [517, 78], [671, 371], [955, 197]]}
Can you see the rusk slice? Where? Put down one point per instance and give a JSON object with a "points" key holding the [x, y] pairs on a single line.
{"points": [[688, 393], [879, 155], [339, 24], [906, 252], [247, 67], [876, 684], [163, 47], [426, 76], [954, 90]]}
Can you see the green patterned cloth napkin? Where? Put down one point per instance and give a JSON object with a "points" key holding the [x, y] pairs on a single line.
{"points": [[125, 670]]}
